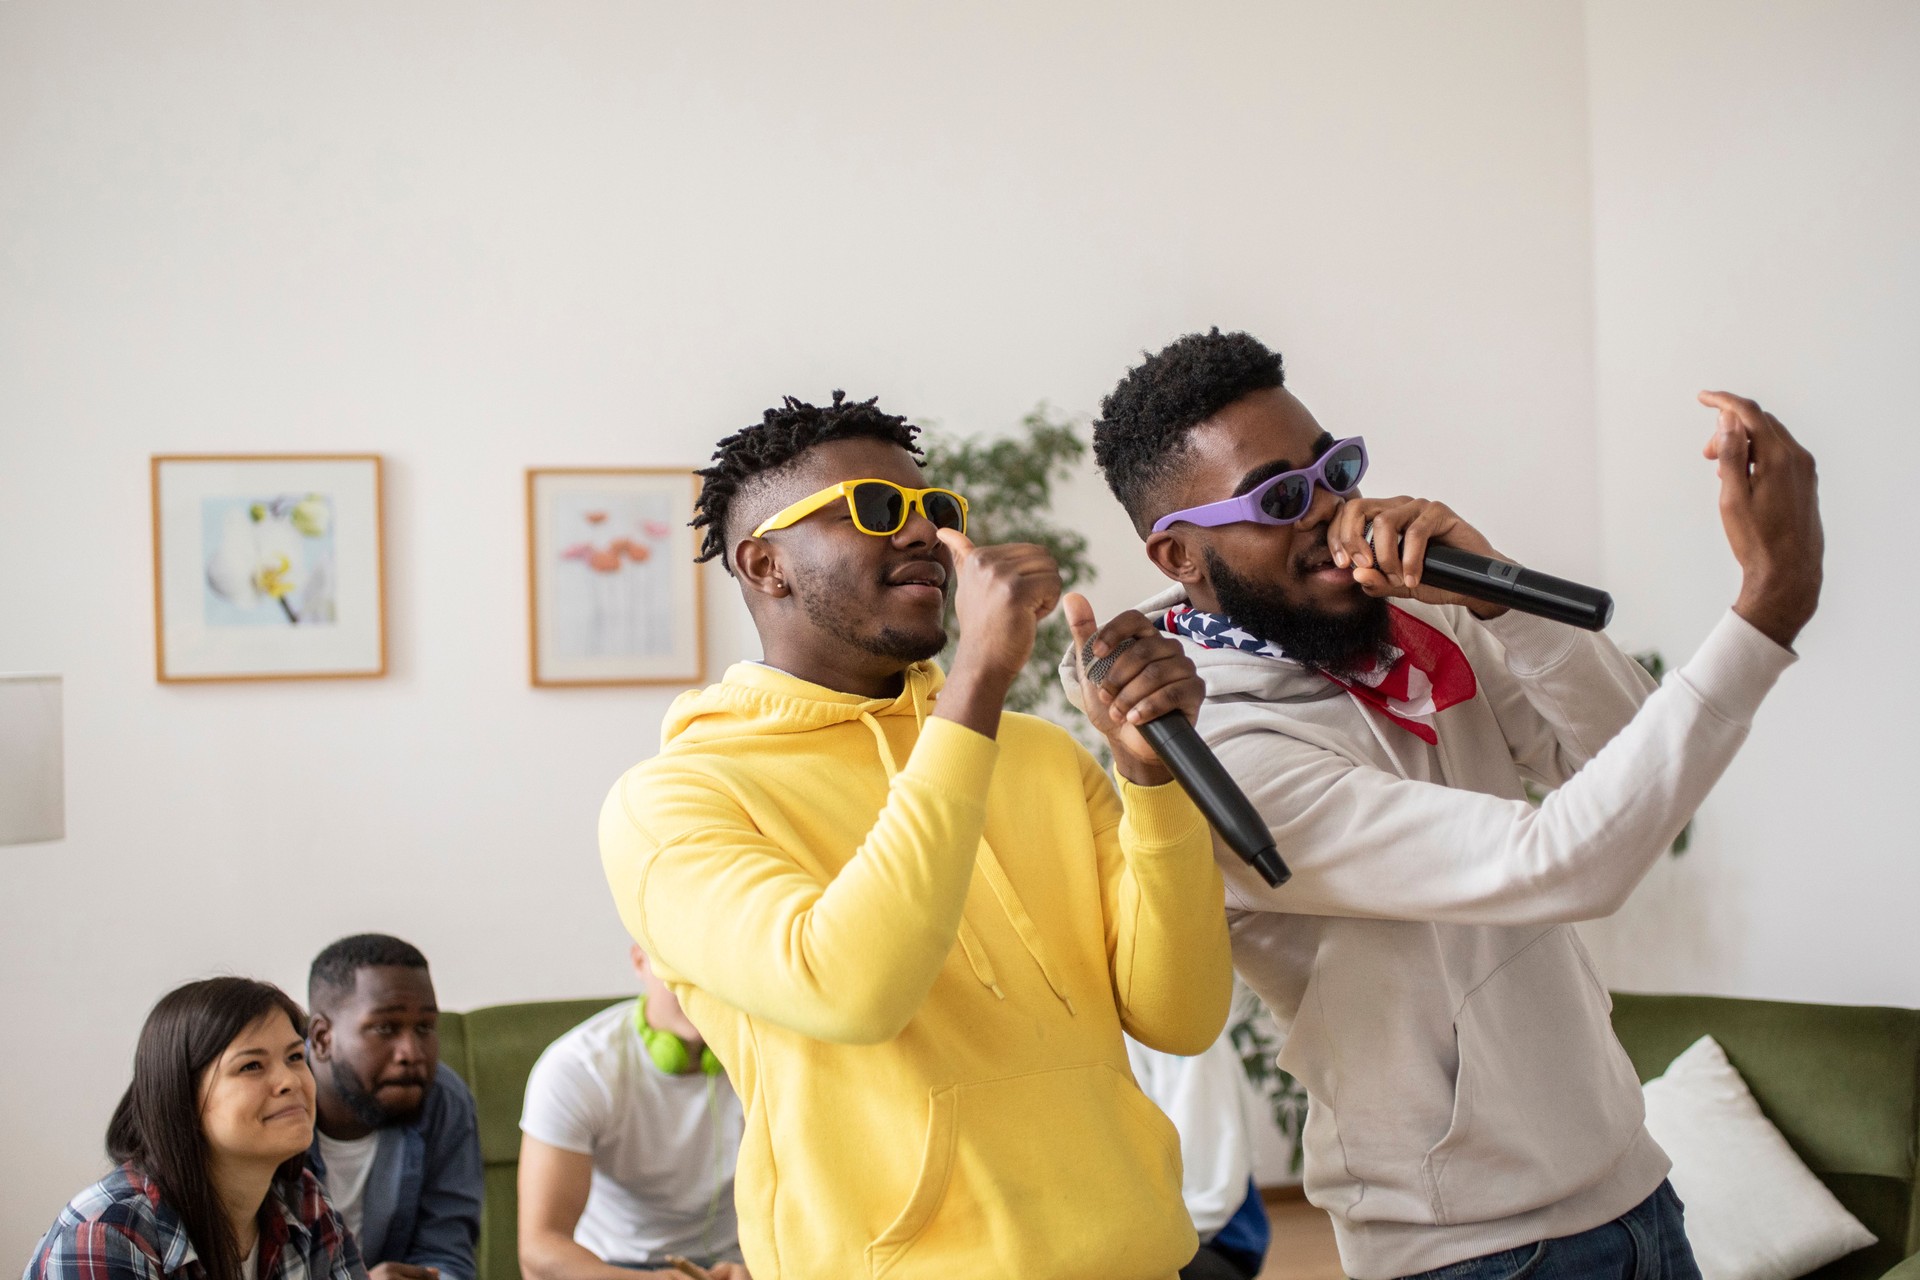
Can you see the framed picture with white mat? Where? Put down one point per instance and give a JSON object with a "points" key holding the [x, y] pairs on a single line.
{"points": [[614, 596], [268, 567]]}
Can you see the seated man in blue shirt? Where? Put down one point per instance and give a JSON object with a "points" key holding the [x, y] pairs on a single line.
{"points": [[395, 1139]]}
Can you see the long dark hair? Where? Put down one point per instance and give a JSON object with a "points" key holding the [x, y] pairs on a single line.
{"points": [[157, 1129]]}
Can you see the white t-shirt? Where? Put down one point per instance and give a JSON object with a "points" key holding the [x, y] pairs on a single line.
{"points": [[1207, 1098], [663, 1147], [349, 1161]]}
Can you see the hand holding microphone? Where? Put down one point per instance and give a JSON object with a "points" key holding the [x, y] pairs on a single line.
{"points": [[1418, 549], [1141, 690], [1384, 542], [1130, 675]]}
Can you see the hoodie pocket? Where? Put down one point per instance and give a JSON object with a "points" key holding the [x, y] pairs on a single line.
{"points": [[1054, 1172], [1545, 1100]]}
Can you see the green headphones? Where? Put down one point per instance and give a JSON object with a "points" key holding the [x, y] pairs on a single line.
{"points": [[668, 1051]]}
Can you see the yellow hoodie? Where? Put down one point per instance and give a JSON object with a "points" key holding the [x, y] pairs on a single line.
{"points": [[917, 975]]}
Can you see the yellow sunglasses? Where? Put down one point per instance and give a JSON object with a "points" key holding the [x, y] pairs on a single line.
{"points": [[878, 507]]}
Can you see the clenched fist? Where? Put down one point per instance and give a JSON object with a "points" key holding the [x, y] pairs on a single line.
{"points": [[1000, 595]]}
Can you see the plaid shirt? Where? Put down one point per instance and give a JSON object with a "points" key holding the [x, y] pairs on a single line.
{"points": [[120, 1229]]}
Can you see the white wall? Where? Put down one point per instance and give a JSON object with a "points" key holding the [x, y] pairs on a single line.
{"points": [[475, 237], [1756, 195]]}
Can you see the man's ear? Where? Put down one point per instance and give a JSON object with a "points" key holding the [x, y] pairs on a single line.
{"points": [[1173, 556], [757, 564], [320, 1036]]}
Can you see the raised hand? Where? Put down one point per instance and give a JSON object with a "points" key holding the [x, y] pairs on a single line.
{"points": [[1403, 529], [1000, 595], [1150, 676], [1770, 508]]}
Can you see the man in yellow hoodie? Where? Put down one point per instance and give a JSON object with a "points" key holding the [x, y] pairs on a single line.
{"points": [[912, 927]]}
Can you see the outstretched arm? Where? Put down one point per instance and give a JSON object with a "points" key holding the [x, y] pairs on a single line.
{"points": [[1363, 842]]}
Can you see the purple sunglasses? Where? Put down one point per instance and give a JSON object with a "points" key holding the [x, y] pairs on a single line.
{"points": [[1284, 498]]}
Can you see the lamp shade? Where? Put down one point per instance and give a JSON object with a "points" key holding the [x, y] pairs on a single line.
{"points": [[32, 769]]}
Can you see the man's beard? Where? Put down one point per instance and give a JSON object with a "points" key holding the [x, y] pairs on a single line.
{"points": [[1327, 641], [366, 1108], [826, 607]]}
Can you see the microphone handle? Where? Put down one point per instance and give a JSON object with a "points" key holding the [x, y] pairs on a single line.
{"points": [[1216, 794], [1527, 590]]}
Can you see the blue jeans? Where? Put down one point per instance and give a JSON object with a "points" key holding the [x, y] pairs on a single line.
{"points": [[1648, 1242]]}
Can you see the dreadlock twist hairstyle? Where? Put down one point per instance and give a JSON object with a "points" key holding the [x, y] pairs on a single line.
{"points": [[1145, 421], [782, 435]]}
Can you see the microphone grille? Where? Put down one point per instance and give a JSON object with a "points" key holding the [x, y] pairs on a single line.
{"points": [[1097, 671]]}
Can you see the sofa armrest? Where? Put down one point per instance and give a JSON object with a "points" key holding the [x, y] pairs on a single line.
{"points": [[1908, 1270]]}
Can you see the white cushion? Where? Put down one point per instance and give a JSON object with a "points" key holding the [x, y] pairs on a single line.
{"points": [[1754, 1211]]}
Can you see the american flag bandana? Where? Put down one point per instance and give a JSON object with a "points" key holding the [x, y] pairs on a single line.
{"points": [[1422, 672]]}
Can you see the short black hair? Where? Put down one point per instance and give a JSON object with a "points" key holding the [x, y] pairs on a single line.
{"points": [[783, 434], [1144, 422], [335, 969]]}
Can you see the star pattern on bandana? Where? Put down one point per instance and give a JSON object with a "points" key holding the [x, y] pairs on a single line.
{"points": [[1212, 631]]}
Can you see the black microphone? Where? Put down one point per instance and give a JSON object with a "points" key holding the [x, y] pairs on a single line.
{"points": [[1497, 582], [1198, 770]]}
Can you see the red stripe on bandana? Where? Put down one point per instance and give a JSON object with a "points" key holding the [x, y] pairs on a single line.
{"points": [[1429, 651]]}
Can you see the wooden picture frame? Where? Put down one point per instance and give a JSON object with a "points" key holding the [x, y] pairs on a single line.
{"points": [[613, 594], [268, 567]]}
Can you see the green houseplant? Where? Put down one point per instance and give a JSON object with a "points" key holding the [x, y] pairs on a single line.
{"points": [[1009, 482]]}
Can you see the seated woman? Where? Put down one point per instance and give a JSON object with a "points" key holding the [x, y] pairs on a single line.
{"points": [[211, 1140]]}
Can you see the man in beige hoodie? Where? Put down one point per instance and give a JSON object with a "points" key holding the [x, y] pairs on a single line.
{"points": [[1470, 1107]]}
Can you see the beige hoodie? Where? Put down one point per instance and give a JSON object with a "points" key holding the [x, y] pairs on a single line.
{"points": [[1467, 1092]]}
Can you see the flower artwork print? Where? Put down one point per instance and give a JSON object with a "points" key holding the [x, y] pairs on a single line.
{"points": [[612, 588], [268, 567], [270, 560], [614, 595]]}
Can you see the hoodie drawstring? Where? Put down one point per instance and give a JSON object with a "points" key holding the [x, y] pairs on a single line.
{"points": [[880, 739], [988, 867], [1023, 925], [976, 954]]}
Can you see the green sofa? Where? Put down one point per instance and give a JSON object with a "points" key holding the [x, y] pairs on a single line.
{"points": [[1843, 1084], [493, 1049]]}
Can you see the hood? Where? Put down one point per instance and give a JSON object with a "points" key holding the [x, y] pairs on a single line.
{"points": [[753, 698], [1227, 672]]}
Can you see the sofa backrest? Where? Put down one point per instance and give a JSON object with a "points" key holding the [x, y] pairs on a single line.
{"points": [[1841, 1082], [494, 1050]]}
